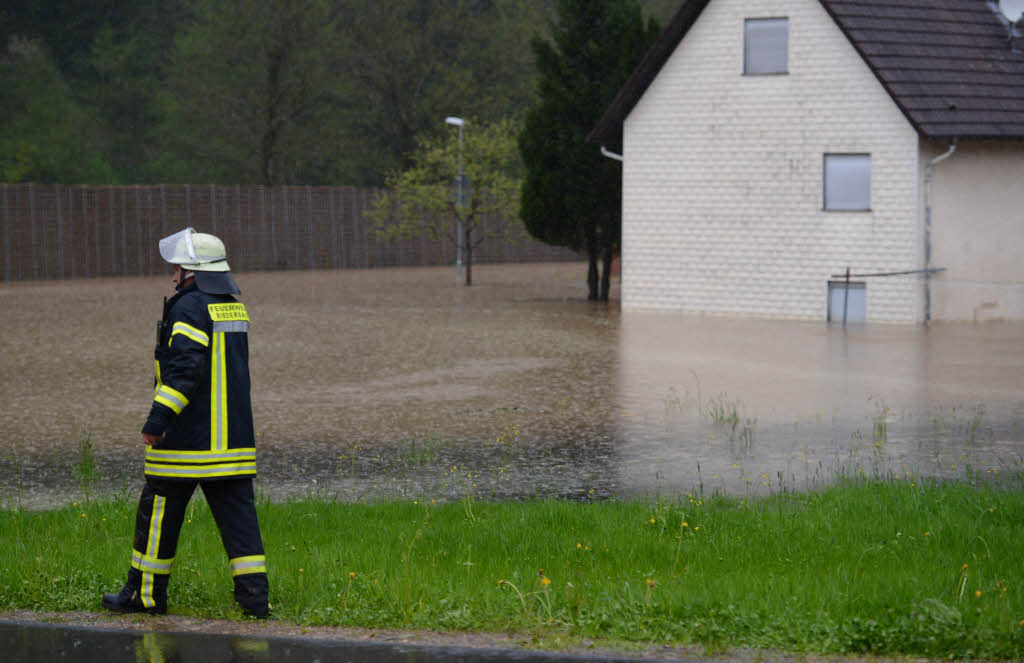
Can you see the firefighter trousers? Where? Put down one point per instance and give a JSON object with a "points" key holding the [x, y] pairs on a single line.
{"points": [[158, 523]]}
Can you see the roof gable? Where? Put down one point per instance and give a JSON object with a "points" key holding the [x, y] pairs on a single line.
{"points": [[947, 64]]}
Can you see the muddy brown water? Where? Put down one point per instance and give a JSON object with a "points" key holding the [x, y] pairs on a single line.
{"points": [[404, 383]]}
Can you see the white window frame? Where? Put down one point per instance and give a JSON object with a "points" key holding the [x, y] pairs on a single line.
{"points": [[751, 55], [832, 165]]}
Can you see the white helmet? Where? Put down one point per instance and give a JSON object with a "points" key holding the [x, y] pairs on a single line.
{"points": [[205, 256], [195, 252]]}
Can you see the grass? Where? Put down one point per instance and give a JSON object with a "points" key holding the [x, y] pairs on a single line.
{"points": [[85, 469], [905, 567]]}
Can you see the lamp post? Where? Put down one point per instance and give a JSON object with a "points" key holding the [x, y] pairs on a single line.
{"points": [[458, 122]]}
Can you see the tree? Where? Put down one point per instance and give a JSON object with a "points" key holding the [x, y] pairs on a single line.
{"points": [[250, 93], [409, 63], [109, 55], [572, 194], [122, 76], [423, 199], [45, 134]]}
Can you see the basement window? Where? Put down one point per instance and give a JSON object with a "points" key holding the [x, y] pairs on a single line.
{"points": [[849, 297], [765, 46], [847, 182]]}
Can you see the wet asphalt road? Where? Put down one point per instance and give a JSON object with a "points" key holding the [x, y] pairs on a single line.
{"points": [[35, 643]]}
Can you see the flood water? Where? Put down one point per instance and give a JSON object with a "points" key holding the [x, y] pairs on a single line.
{"points": [[43, 643], [404, 383]]}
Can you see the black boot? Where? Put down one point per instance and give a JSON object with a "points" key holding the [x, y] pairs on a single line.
{"points": [[251, 591], [129, 599]]}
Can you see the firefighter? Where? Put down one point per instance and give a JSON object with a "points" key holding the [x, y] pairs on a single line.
{"points": [[199, 431]]}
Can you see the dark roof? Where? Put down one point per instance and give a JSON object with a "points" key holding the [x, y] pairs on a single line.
{"points": [[948, 64]]}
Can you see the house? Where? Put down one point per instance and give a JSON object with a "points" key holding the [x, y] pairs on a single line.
{"points": [[769, 146]]}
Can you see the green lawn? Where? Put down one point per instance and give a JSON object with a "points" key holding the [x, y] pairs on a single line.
{"points": [[889, 567]]}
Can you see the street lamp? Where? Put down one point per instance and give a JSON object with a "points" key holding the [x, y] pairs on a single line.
{"points": [[458, 122]]}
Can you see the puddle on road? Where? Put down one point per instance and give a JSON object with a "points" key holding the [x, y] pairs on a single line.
{"points": [[402, 382], [35, 643]]}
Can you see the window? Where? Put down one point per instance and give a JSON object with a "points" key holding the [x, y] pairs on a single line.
{"points": [[847, 182], [765, 45], [852, 300]]}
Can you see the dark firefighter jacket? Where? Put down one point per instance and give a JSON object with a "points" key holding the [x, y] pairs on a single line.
{"points": [[201, 402]]}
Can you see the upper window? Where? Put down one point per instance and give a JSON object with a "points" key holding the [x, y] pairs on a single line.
{"points": [[766, 46], [847, 182]]}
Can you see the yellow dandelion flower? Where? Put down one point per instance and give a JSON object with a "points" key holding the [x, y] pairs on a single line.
{"points": [[578, 546], [977, 594], [927, 533], [351, 575], [301, 569], [545, 581], [651, 582], [685, 524], [653, 521]]}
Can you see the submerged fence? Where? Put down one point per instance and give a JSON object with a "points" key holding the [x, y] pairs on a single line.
{"points": [[51, 231]]}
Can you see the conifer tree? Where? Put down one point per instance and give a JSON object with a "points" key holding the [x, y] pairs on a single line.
{"points": [[572, 194]]}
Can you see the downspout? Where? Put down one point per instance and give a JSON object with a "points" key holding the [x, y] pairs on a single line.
{"points": [[611, 155], [928, 229]]}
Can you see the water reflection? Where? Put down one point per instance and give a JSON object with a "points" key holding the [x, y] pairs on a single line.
{"points": [[33, 643], [403, 383], [757, 404]]}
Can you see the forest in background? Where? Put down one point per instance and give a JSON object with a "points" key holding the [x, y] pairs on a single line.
{"points": [[318, 92]]}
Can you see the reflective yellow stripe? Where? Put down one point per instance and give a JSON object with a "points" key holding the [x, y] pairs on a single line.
{"points": [[200, 472], [149, 649], [218, 395], [171, 397], [191, 457], [151, 564], [155, 522], [153, 547], [250, 564], [188, 331], [200, 464]]}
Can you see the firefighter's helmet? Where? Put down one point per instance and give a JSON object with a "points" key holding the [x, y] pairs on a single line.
{"points": [[195, 252], [202, 254]]}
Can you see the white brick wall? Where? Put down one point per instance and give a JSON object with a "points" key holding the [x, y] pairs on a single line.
{"points": [[722, 180]]}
